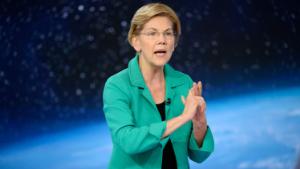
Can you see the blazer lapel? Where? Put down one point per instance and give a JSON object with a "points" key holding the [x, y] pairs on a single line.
{"points": [[147, 95], [173, 80], [170, 93], [137, 79]]}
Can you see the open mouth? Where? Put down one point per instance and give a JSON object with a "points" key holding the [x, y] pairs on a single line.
{"points": [[160, 52]]}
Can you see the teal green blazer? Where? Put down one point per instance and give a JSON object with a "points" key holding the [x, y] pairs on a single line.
{"points": [[135, 124]]}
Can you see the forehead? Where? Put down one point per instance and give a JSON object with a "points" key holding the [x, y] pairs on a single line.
{"points": [[159, 23]]}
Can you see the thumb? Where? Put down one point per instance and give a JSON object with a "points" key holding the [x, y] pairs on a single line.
{"points": [[183, 100]]}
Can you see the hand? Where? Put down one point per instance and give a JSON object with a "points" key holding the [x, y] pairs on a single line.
{"points": [[200, 116], [191, 103], [199, 120], [192, 107]]}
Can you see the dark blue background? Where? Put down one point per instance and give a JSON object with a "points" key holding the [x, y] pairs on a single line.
{"points": [[56, 55]]}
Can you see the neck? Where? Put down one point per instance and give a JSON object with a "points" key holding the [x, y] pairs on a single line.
{"points": [[151, 74]]}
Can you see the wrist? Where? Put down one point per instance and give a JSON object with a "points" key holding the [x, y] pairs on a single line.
{"points": [[184, 117], [200, 134], [198, 125]]}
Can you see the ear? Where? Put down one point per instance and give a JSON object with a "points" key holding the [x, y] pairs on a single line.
{"points": [[136, 44]]}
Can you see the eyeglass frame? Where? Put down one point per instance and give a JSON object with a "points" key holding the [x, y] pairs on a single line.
{"points": [[153, 34]]}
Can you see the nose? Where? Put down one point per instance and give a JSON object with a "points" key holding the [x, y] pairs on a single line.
{"points": [[162, 39]]}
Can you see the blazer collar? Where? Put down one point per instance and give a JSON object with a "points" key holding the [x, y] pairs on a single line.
{"points": [[173, 77]]}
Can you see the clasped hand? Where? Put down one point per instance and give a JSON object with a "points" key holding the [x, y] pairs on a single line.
{"points": [[195, 105]]}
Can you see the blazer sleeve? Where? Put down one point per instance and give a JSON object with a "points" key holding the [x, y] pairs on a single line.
{"points": [[119, 116], [199, 154], [196, 153]]}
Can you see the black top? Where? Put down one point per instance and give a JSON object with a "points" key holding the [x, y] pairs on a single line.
{"points": [[169, 159]]}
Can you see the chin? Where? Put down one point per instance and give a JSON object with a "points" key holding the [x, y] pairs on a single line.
{"points": [[161, 62], [162, 59]]}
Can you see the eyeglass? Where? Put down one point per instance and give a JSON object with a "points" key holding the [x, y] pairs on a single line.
{"points": [[156, 34]]}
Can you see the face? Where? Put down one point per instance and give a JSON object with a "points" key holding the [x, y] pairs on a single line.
{"points": [[155, 42]]}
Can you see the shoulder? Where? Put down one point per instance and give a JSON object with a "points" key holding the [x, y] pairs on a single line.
{"points": [[178, 77], [186, 79], [184, 76], [120, 78], [117, 83]]}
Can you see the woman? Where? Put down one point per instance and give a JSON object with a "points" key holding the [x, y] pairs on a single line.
{"points": [[152, 124]]}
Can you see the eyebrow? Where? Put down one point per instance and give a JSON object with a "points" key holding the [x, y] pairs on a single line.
{"points": [[168, 29]]}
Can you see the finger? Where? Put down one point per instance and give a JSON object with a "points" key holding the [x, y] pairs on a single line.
{"points": [[183, 100], [203, 108], [202, 104], [200, 88], [195, 89], [200, 100], [191, 92]]}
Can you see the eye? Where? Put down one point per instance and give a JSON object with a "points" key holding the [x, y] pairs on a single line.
{"points": [[169, 34], [151, 33]]}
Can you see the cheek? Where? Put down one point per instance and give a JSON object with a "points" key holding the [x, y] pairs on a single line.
{"points": [[172, 47], [172, 44], [147, 46]]}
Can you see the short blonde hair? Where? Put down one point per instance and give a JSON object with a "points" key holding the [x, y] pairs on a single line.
{"points": [[147, 12]]}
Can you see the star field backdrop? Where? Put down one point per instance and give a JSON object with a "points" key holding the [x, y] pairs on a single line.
{"points": [[56, 55]]}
